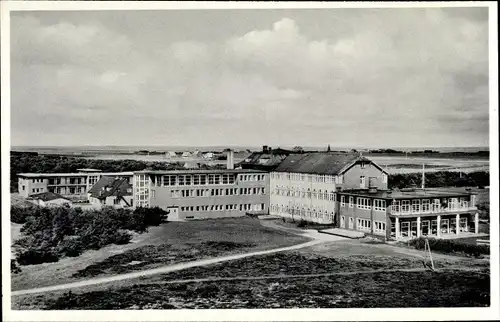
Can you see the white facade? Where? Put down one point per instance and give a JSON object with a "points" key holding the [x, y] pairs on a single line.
{"points": [[309, 197]]}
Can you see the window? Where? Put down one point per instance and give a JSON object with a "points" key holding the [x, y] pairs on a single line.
{"points": [[351, 223], [405, 206], [362, 165], [363, 203], [379, 205], [351, 202], [384, 178], [426, 205], [342, 221], [116, 201], [379, 226], [341, 179], [415, 205], [342, 201], [363, 224], [181, 180], [362, 182]]}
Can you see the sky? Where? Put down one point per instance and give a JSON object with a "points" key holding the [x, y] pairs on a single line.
{"points": [[345, 77]]}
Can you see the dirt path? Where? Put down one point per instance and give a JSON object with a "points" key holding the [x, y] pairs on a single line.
{"points": [[165, 269]]}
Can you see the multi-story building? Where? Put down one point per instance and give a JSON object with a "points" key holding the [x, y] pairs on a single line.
{"points": [[202, 194], [69, 185], [304, 186], [409, 213]]}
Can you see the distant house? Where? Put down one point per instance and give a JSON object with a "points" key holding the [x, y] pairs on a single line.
{"points": [[49, 199], [208, 155], [111, 191], [170, 154], [191, 165], [267, 159], [186, 154]]}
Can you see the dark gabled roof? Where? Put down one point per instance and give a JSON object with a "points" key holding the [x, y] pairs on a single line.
{"points": [[320, 163], [265, 158], [111, 186], [47, 196]]}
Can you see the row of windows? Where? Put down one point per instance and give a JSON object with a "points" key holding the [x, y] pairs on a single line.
{"points": [[201, 179], [240, 207], [307, 177], [364, 203], [298, 209], [363, 224], [425, 205], [302, 193], [214, 192]]}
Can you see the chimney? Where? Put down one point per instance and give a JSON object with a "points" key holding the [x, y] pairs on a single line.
{"points": [[264, 148], [230, 159]]}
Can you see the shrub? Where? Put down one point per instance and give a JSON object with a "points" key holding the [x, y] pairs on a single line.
{"points": [[19, 215], [70, 247], [36, 256], [14, 267], [122, 237], [450, 246], [302, 223]]}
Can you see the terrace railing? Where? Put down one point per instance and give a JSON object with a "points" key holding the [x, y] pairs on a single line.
{"points": [[429, 208]]}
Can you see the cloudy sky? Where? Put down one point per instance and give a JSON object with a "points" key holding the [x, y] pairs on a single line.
{"points": [[345, 77]]}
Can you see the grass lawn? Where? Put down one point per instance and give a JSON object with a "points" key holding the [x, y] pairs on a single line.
{"points": [[162, 245]]}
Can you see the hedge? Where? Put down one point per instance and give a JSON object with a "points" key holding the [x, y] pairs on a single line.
{"points": [[450, 246]]}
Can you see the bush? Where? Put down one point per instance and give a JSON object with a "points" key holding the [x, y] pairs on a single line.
{"points": [[70, 247], [450, 246], [19, 215], [14, 267], [36, 256], [122, 237]]}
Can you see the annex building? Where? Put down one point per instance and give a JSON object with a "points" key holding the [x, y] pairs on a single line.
{"points": [[69, 185]]}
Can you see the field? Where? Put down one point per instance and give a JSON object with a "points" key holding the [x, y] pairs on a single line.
{"points": [[401, 164], [170, 243], [347, 273]]}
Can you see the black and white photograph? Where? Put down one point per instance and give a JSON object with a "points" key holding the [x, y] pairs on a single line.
{"points": [[203, 157]]}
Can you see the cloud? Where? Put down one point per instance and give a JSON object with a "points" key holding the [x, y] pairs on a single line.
{"points": [[378, 78]]}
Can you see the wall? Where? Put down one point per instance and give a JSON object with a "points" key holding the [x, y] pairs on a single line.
{"points": [[322, 210], [29, 185], [352, 177], [354, 212]]}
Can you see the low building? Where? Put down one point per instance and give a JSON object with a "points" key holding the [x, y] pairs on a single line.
{"points": [[203, 194], [304, 186], [265, 160], [73, 186], [49, 199], [112, 191], [409, 213]]}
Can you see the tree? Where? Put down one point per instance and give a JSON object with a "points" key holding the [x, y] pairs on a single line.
{"points": [[328, 149], [298, 149]]}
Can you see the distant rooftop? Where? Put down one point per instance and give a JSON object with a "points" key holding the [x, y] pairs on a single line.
{"points": [[194, 171], [407, 193]]}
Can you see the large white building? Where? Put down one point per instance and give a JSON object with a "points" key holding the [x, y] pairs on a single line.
{"points": [[304, 186]]}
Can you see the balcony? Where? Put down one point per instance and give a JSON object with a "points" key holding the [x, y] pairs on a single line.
{"points": [[430, 209]]}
